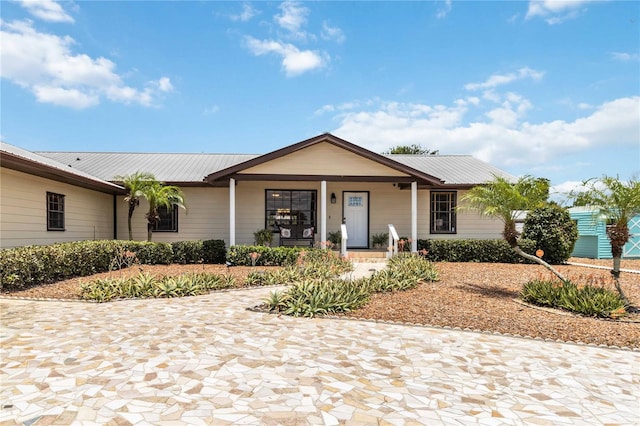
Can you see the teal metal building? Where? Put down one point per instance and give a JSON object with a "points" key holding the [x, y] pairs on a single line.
{"points": [[592, 235]]}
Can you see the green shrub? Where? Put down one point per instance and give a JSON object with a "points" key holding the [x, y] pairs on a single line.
{"points": [[312, 297], [33, 265], [404, 271], [335, 237], [188, 252], [263, 237], [380, 240], [150, 253], [553, 231], [492, 251], [269, 256], [214, 251], [587, 300], [147, 286], [318, 291]]}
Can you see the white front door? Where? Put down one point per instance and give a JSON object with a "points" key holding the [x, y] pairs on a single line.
{"points": [[356, 216]]}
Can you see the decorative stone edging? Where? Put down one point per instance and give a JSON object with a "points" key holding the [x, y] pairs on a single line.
{"points": [[588, 265], [572, 314]]}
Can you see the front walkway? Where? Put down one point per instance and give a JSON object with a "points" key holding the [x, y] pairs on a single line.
{"points": [[207, 360]]}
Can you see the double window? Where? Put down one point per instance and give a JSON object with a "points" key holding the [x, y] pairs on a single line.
{"points": [[55, 212], [168, 219], [443, 212], [285, 207]]}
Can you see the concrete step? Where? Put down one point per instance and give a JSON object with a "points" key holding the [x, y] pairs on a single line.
{"points": [[367, 254]]}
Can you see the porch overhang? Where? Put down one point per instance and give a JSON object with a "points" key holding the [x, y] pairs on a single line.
{"points": [[239, 171]]}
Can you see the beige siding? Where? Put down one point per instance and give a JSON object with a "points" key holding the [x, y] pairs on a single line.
{"points": [[89, 214], [23, 211], [388, 205], [206, 217], [469, 223], [323, 159]]}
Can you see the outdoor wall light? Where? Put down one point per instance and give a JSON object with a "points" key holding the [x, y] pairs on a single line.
{"points": [[333, 198]]}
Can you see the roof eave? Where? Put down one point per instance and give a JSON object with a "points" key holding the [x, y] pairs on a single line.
{"points": [[25, 165]]}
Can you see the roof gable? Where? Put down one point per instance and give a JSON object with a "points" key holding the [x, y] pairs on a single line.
{"points": [[324, 155]]}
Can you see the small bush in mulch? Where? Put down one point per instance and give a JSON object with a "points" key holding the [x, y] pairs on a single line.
{"points": [[322, 294], [587, 300]]}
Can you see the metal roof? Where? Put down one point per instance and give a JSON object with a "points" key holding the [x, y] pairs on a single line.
{"points": [[192, 168], [20, 159], [453, 169], [166, 167]]}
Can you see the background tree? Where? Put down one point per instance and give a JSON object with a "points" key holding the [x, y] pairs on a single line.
{"points": [[553, 230], [134, 184], [618, 202], [503, 200], [158, 195], [411, 149]]}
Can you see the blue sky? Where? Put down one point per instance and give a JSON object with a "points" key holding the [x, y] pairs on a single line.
{"points": [[547, 88]]}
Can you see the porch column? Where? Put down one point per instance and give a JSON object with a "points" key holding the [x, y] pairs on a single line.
{"points": [[323, 211], [414, 216], [232, 212]]}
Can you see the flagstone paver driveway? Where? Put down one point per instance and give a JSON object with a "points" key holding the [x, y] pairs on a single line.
{"points": [[206, 360]]}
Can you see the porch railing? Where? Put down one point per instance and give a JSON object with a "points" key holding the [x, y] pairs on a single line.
{"points": [[343, 243], [392, 248]]}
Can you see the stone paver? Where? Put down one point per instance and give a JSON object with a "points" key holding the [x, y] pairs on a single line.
{"points": [[207, 360]]}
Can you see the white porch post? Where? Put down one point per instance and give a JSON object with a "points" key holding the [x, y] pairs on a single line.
{"points": [[232, 212], [414, 216], [323, 211]]}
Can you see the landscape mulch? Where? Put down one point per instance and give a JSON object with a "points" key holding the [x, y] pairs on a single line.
{"points": [[476, 296]]}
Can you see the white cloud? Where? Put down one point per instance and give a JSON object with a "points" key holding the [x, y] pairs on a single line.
{"points": [[555, 11], [211, 110], [444, 10], [247, 13], [72, 98], [503, 138], [294, 60], [560, 192], [332, 33], [292, 18], [47, 10], [45, 64], [502, 79], [625, 57], [164, 84]]}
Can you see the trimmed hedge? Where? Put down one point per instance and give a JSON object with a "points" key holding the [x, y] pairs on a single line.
{"points": [[269, 256], [197, 251], [491, 251], [33, 265]]}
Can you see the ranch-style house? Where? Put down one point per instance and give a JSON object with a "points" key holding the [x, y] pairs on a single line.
{"points": [[310, 188]]}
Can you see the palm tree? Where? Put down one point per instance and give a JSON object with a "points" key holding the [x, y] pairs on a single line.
{"points": [[503, 200], [134, 184], [160, 195], [618, 202]]}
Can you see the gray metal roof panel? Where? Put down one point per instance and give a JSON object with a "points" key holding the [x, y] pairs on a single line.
{"points": [[181, 167], [52, 163], [167, 167], [453, 169]]}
